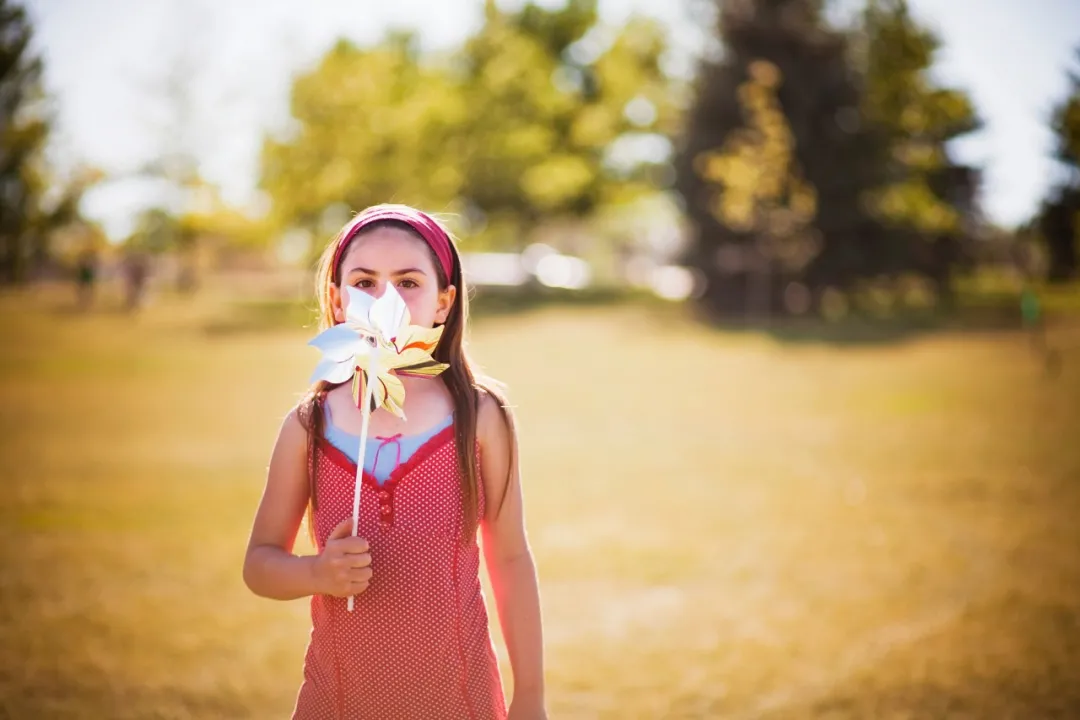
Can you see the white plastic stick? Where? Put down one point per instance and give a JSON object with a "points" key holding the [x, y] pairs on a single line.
{"points": [[365, 417]]}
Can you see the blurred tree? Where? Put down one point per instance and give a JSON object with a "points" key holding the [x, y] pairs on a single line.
{"points": [[831, 166], [369, 125], [928, 202], [26, 213], [763, 192], [184, 135], [517, 125], [156, 231], [232, 229], [1059, 229], [1059, 218], [796, 168], [562, 119]]}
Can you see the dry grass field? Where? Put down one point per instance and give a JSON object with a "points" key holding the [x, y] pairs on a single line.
{"points": [[726, 526]]}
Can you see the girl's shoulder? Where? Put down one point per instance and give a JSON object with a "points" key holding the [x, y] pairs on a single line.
{"points": [[494, 415], [306, 408], [489, 390], [317, 398]]}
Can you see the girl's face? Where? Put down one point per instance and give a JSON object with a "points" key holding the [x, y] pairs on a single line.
{"points": [[394, 255]]}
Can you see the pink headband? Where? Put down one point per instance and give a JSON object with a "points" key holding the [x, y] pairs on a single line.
{"points": [[422, 223]]}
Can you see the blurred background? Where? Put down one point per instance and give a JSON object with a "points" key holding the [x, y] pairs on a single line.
{"points": [[833, 246]]}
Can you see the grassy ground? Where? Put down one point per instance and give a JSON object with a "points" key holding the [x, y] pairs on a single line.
{"points": [[725, 525]]}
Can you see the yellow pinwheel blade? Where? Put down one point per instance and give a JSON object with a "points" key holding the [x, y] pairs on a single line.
{"points": [[428, 369]]}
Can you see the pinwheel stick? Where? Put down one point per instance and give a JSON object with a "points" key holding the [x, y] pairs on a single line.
{"points": [[365, 419]]}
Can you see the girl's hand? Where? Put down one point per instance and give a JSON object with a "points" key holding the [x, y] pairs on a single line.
{"points": [[343, 568], [529, 707]]}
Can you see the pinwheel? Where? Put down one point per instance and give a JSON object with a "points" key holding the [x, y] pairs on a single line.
{"points": [[374, 347]]}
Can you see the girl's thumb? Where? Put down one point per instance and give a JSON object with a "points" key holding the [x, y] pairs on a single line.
{"points": [[343, 529]]}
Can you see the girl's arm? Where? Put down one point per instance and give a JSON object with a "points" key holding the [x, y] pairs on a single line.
{"points": [[508, 558], [270, 568]]}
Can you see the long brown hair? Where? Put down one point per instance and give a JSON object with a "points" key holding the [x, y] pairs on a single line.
{"points": [[461, 378]]}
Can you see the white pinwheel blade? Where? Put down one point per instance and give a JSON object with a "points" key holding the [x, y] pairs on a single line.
{"points": [[339, 343], [333, 371], [388, 313], [358, 311]]}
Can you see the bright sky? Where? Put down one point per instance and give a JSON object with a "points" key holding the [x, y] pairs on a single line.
{"points": [[106, 62]]}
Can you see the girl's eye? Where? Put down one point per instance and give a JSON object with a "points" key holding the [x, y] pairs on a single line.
{"points": [[364, 284], [408, 283]]}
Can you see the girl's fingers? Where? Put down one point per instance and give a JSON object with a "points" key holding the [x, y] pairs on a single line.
{"points": [[343, 530], [354, 588], [353, 545]]}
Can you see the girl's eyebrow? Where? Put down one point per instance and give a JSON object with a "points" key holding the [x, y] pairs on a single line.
{"points": [[368, 271]]}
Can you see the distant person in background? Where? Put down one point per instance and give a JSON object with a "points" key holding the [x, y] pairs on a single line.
{"points": [[1031, 315], [417, 644], [1034, 321], [86, 272], [136, 273]]}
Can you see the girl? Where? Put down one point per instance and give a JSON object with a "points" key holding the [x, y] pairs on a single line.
{"points": [[417, 643]]}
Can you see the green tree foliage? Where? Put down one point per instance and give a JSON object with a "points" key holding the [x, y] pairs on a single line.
{"points": [[516, 162], [917, 119], [33, 201], [24, 129], [762, 188], [548, 100], [1066, 125], [832, 147], [814, 163], [516, 125], [927, 201], [369, 125], [156, 231], [1059, 218]]}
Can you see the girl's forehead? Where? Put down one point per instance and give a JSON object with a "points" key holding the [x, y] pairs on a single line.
{"points": [[387, 248]]}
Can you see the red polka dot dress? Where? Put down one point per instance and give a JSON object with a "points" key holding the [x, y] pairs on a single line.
{"points": [[417, 643]]}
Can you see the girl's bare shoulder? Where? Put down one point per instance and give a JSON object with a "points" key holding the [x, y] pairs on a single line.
{"points": [[292, 438], [494, 415], [303, 413]]}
